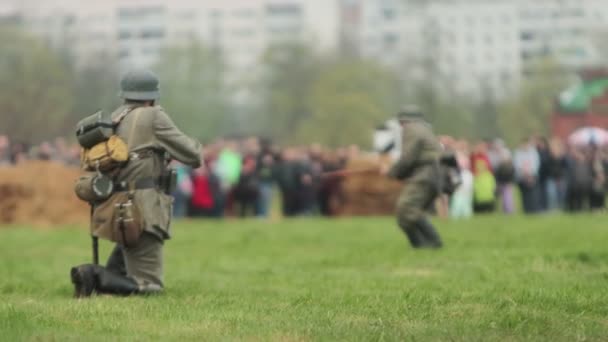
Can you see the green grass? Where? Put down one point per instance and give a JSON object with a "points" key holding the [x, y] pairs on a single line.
{"points": [[498, 279]]}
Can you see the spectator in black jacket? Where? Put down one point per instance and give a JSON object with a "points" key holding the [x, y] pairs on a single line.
{"points": [[580, 175], [597, 194], [542, 145], [307, 182], [286, 174], [556, 168]]}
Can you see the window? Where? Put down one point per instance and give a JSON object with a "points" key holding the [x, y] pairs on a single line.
{"points": [[283, 9], [577, 12], [152, 33], [150, 51], [156, 10], [390, 39], [599, 16], [580, 52], [69, 20], [244, 13], [576, 32], [243, 32], [526, 35], [389, 13], [125, 13], [216, 14], [186, 15], [124, 53], [124, 35]]}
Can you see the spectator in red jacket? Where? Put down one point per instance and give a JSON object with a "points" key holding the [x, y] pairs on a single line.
{"points": [[480, 154], [201, 203]]}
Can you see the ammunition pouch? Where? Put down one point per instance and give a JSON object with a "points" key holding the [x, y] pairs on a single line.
{"points": [[118, 219], [168, 181]]}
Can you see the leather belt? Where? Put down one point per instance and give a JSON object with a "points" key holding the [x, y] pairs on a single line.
{"points": [[140, 184], [142, 154]]}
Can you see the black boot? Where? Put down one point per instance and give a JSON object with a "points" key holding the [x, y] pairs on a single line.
{"points": [[110, 283], [89, 279], [429, 234], [83, 278], [116, 262], [416, 239]]}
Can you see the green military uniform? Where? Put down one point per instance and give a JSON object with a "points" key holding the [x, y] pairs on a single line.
{"points": [[153, 139], [419, 167]]}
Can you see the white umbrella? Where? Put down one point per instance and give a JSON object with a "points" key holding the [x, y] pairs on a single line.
{"points": [[589, 136]]}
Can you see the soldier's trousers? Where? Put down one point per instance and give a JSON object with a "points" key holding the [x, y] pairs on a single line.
{"points": [[415, 200], [142, 262]]}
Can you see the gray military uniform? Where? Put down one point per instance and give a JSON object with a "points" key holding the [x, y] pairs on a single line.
{"points": [[418, 166], [153, 139]]}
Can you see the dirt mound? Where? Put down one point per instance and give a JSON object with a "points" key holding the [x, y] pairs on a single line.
{"points": [[40, 193], [368, 194]]}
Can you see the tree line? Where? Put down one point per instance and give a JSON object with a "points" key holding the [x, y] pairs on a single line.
{"points": [[295, 95]]}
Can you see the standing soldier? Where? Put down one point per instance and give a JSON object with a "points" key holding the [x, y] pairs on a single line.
{"points": [[153, 140], [418, 166]]}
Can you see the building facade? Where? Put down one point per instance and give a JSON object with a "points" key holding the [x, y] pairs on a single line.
{"points": [[135, 31], [475, 46]]}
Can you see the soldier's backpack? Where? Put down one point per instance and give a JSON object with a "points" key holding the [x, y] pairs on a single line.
{"points": [[102, 150], [115, 216]]}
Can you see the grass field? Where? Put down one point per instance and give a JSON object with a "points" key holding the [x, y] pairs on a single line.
{"points": [[498, 279]]}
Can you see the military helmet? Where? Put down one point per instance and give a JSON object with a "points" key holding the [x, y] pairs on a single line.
{"points": [[410, 112], [140, 85]]}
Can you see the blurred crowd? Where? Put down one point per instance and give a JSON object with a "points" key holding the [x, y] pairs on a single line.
{"points": [[239, 178], [14, 152], [250, 177], [540, 174]]}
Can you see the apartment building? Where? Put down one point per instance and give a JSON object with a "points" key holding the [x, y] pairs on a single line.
{"points": [[135, 31], [475, 45]]}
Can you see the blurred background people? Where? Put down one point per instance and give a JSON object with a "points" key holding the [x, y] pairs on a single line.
{"points": [[266, 178], [556, 169], [526, 161], [505, 177], [580, 175]]}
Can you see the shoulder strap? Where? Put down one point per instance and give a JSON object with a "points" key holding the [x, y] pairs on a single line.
{"points": [[121, 116], [133, 126]]}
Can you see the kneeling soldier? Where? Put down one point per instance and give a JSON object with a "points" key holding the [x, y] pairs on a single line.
{"points": [[152, 140]]}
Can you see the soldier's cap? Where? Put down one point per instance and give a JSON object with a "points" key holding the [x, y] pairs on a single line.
{"points": [[410, 112], [140, 85]]}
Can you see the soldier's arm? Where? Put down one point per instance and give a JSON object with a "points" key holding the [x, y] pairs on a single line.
{"points": [[177, 144], [410, 148]]}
